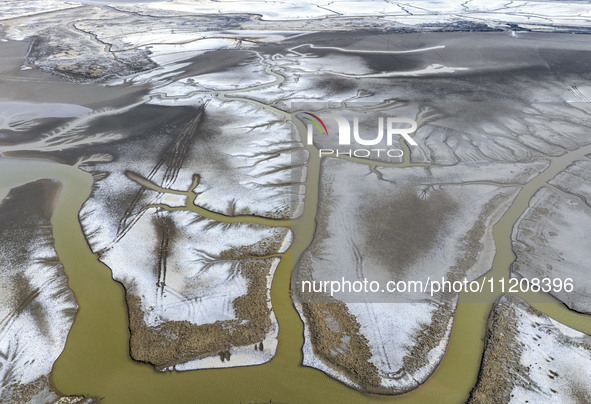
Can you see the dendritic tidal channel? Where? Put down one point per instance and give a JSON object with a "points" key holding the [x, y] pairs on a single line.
{"points": [[321, 202]]}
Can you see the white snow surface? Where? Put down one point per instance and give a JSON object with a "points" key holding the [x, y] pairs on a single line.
{"points": [[417, 12], [551, 240], [392, 322], [558, 358], [36, 309]]}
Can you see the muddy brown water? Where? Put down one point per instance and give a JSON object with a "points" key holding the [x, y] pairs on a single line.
{"points": [[96, 359]]}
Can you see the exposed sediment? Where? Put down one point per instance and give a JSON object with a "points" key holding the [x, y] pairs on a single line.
{"points": [[551, 240], [197, 288], [37, 308], [531, 358], [422, 223], [177, 342]]}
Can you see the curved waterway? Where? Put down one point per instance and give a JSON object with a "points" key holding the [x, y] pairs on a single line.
{"points": [[96, 359]]}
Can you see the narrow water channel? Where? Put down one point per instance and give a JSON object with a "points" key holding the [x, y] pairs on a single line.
{"points": [[96, 360]]}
